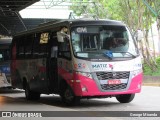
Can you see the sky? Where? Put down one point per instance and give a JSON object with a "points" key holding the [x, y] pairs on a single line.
{"points": [[47, 9]]}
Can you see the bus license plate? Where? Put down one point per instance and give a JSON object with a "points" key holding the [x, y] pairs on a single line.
{"points": [[114, 82]]}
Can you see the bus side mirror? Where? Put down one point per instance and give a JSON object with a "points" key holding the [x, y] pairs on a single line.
{"points": [[60, 37], [139, 35]]}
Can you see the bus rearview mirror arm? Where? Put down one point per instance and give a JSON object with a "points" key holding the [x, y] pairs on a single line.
{"points": [[61, 36]]}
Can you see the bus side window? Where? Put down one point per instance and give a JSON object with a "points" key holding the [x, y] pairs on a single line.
{"points": [[36, 46], [21, 45], [64, 49], [40, 45], [43, 43], [28, 46]]}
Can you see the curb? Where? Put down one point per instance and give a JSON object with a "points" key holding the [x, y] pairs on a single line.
{"points": [[151, 84]]}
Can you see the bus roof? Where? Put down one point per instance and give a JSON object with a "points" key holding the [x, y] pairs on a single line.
{"points": [[73, 22], [95, 22]]}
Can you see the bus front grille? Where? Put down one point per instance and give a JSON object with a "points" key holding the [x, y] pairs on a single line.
{"points": [[112, 75], [114, 87], [103, 76]]}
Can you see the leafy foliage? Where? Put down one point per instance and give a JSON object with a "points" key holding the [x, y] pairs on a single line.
{"points": [[147, 70], [91, 8], [123, 10]]}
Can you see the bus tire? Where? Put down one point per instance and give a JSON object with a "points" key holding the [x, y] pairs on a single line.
{"points": [[68, 97], [31, 95], [126, 98]]}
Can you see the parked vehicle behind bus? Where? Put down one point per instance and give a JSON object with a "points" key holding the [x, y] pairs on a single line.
{"points": [[5, 63], [77, 59]]}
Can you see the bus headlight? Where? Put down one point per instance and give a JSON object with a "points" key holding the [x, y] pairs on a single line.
{"points": [[86, 74], [136, 72]]}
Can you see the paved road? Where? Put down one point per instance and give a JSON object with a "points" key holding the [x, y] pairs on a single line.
{"points": [[147, 100]]}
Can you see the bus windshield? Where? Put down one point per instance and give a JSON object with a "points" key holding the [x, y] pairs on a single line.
{"points": [[93, 41]]}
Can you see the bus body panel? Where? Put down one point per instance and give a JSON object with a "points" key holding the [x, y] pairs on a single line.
{"points": [[34, 72]]}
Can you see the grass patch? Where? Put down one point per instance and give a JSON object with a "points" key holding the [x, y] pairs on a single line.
{"points": [[148, 71]]}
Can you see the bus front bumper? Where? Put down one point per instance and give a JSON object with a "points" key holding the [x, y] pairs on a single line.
{"points": [[86, 87]]}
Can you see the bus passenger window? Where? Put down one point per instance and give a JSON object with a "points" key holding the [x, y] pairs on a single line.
{"points": [[36, 46], [21, 45], [40, 45], [28, 45], [43, 44]]}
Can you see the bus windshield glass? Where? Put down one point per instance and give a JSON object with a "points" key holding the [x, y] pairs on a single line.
{"points": [[93, 41]]}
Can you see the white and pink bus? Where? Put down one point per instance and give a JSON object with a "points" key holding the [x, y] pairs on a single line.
{"points": [[77, 59]]}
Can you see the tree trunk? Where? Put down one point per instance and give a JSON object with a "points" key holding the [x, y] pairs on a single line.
{"points": [[158, 26]]}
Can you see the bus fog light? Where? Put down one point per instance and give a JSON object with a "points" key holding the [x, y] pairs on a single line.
{"points": [[84, 89]]}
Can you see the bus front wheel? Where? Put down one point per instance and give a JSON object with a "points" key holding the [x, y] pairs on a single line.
{"points": [[69, 98], [126, 98], [31, 95]]}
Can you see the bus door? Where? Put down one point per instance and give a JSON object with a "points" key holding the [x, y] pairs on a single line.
{"points": [[65, 67], [52, 63]]}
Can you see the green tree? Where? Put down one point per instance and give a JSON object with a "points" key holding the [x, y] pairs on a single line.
{"points": [[90, 8]]}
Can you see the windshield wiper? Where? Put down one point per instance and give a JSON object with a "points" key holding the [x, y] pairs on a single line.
{"points": [[133, 56]]}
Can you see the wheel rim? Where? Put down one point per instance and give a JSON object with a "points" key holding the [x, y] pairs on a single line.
{"points": [[68, 95]]}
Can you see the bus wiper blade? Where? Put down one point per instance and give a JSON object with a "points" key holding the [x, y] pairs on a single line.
{"points": [[133, 56]]}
